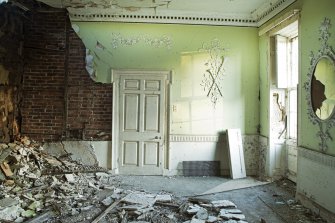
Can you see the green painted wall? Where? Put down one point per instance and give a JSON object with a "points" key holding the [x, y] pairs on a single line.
{"points": [[264, 84], [177, 48], [312, 15]]}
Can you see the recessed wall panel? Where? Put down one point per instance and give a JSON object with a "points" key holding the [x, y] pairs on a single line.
{"points": [[152, 85], [132, 84], [130, 153], [151, 115], [131, 112], [151, 153]]}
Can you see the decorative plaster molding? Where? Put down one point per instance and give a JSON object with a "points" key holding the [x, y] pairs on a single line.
{"points": [[194, 138], [325, 51], [265, 13], [317, 157], [213, 76], [249, 139], [117, 40], [254, 19], [165, 19]]}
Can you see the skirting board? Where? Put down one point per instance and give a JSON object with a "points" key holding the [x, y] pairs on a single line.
{"points": [[315, 208]]}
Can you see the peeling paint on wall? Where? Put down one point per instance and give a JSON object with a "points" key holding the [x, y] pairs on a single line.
{"points": [[75, 28], [263, 148], [90, 64], [251, 153]]}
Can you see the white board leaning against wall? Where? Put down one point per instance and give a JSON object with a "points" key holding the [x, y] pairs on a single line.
{"points": [[236, 154]]}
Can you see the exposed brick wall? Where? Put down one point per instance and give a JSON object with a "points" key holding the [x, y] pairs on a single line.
{"points": [[11, 65], [60, 101]]}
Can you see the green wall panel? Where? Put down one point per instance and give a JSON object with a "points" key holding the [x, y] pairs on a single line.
{"points": [[312, 15], [178, 48]]}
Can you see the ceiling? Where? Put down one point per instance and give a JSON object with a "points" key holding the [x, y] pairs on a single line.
{"points": [[212, 12]]}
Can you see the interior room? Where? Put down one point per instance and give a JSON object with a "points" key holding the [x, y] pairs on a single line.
{"points": [[134, 110]]}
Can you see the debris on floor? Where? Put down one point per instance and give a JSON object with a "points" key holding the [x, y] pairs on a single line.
{"points": [[37, 187]]}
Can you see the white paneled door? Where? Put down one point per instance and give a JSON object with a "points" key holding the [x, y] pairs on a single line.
{"points": [[142, 102]]}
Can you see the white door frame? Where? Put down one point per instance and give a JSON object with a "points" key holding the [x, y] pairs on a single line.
{"points": [[115, 80]]}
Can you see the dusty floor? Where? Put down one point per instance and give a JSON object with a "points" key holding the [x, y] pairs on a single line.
{"points": [[37, 187], [273, 202]]}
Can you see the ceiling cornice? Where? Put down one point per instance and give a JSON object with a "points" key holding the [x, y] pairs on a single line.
{"points": [[164, 15]]}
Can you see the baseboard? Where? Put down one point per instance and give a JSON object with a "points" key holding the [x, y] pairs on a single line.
{"points": [[316, 208]]}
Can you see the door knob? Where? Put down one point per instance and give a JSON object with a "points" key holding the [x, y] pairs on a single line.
{"points": [[156, 137]]}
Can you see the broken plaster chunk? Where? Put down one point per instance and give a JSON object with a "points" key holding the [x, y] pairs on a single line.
{"points": [[134, 207], [4, 146], [86, 208], [107, 201], [74, 211], [164, 198], [70, 178], [19, 220], [232, 216], [139, 198], [25, 140], [212, 219], [8, 201], [100, 175], [145, 210], [10, 213], [230, 211], [202, 214], [53, 162], [193, 209], [223, 204], [194, 220], [23, 169], [35, 206], [171, 216], [34, 175], [92, 185], [11, 145]]}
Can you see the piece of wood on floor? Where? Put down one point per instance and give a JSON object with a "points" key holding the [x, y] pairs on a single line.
{"points": [[6, 169], [236, 154], [105, 212]]}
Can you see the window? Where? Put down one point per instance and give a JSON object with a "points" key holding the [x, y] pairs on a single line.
{"points": [[286, 69]]}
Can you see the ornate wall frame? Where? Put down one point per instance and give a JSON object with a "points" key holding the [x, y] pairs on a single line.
{"points": [[325, 51]]}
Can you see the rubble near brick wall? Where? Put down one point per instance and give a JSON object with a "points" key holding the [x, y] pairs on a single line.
{"points": [[37, 187], [60, 101], [11, 65]]}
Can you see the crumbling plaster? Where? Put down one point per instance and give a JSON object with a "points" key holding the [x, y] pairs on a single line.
{"points": [[95, 153]]}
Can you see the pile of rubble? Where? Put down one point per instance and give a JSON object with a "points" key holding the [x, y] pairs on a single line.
{"points": [[36, 187]]}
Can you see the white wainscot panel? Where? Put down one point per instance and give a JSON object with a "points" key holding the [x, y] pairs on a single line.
{"points": [[316, 179]]}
